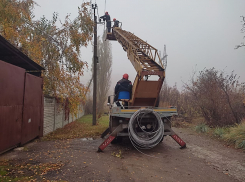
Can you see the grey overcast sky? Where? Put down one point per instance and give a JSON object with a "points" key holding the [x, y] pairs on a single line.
{"points": [[198, 33]]}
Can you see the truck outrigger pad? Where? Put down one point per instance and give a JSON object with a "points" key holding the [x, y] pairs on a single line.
{"points": [[106, 143], [110, 138], [177, 139]]}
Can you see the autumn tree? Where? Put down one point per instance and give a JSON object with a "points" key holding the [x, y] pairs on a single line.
{"points": [[104, 72], [14, 16], [56, 47]]}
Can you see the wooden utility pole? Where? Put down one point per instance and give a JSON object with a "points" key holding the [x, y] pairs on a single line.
{"points": [[94, 6]]}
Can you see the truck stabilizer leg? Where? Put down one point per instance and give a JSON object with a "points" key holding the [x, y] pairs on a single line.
{"points": [[110, 138], [105, 133], [105, 143], [179, 140]]}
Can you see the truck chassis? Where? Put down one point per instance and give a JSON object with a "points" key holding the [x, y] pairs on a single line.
{"points": [[119, 124]]}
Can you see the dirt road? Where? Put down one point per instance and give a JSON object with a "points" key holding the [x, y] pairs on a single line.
{"points": [[203, 160]]}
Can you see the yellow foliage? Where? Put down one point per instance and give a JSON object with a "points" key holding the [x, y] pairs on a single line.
{"points": [[57, 49]]}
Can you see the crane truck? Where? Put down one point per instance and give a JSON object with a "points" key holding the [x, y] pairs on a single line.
{"points": [[142, 120]]}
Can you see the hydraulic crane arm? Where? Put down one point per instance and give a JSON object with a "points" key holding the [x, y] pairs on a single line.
{"points": [[146, 62]]}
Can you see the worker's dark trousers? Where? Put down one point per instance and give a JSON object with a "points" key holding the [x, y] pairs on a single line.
{"points": [[126, 105], [109, 29], [108, 25]]}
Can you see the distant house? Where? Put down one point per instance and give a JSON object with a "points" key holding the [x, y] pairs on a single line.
{"points": [[21, 97]]}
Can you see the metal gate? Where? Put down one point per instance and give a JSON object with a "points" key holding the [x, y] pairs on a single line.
{"points": [[33, 106], [21, 106], [12, 79]]}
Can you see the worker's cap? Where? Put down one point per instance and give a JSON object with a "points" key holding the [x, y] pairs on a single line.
{"points": [[114, 19], [125, 76], [106, 12]]}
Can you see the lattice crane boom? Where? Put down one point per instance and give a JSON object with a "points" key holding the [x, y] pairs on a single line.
{"points": [[146, 61]]}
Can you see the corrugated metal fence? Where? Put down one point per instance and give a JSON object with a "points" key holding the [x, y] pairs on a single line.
{"points": [[55, 116]]}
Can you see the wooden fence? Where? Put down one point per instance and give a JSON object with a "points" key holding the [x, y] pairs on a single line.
{"points": [[55, 115]]}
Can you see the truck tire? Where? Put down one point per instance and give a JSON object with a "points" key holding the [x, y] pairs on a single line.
{"points": [[161, 139]]}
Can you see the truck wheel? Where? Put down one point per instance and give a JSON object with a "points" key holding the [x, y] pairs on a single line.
{"points": [[161, 139]]}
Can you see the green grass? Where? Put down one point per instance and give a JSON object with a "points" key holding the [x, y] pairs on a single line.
{"points": [[6, 173], [220, 132], [232, 135], [81, 128], [202, 128], [236, 136], [3, 172]]}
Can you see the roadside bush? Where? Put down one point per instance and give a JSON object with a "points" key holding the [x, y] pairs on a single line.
{"points": [[220, 132], [202, 128], [186, 105], [237, 136], [171, 96], [218, 98], [179, 122]]}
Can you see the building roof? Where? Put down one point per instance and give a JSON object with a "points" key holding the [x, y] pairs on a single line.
{"points": [[12, 55]]}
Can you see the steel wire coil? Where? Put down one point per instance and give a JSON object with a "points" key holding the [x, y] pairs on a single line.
{"points": [[145, 139]]}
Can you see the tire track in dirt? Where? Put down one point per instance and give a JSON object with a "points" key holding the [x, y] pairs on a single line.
{"points": [[228, 166]]}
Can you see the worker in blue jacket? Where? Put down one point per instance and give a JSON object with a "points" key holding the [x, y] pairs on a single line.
{"points": [[116, 22], [107, 18], [123, 85]]}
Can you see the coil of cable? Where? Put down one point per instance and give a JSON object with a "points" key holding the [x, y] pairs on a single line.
{"points": [[145, 139]]}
